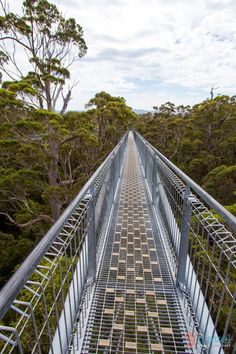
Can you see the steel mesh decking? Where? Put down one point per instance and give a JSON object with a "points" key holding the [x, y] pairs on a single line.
{"points": [[135, 308]]}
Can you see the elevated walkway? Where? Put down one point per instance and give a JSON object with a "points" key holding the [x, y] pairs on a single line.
{"points": [[135, 307]]}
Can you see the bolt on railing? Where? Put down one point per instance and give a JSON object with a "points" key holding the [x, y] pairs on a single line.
{"points": [[201, 233], [39, 304]]}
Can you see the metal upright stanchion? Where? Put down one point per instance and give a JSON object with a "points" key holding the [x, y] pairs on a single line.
{"points": [[183, 248], [91, 236]]}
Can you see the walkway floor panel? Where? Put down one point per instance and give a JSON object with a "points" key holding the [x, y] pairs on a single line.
{"points": [[135, 308]]}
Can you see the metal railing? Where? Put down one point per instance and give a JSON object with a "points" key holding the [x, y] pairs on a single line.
{"points": [[201, 234], [39, 304]]}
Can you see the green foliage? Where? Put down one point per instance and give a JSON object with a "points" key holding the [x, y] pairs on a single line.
{"points": [[201, 140], [221, 181], [8, 100], [231, 208], [111, 116], [13, 251]]}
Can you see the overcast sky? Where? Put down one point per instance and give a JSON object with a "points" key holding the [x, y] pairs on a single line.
{"points": [[153, 51]]}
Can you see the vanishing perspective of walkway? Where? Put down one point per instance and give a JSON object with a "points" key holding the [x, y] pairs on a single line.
{"points": [[143, 260], [135, 308]]}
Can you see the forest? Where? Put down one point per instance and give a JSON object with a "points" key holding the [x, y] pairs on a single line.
{"points": [[29, 201], [47, 153], [201, 140]]}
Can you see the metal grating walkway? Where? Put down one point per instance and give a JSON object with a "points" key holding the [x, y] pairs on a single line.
{"points": [[135, 307]]}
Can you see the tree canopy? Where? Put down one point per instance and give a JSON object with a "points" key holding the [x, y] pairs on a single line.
{"points": [[45, 158], [201, 140], [51, 44]]}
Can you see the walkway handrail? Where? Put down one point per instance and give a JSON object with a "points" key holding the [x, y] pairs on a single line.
{"points": [[229, 218], [203, 256], [71, 238]]}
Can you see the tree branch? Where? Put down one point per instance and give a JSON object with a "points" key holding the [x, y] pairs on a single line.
{"points": [[16, 40], [66, 183], [223, 120], [29, 223], [66, 101], [70, 138]]}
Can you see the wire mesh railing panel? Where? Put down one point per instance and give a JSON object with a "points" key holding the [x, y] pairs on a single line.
{"points": [[39, 305], [212, 254], [202, 235], [41, 302]]}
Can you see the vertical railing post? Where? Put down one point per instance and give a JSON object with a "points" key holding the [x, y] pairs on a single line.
{"points": [[184, 238], [91, 237], [119, 152], [113, 176], [145, 160], [154, 179]]}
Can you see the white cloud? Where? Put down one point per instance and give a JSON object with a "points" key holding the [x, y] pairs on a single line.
{"points": [[181, 47]]}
